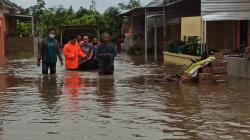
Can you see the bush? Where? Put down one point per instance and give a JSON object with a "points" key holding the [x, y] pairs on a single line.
{"points": [[174, 46]]}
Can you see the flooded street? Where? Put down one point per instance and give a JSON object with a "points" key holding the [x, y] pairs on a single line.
{"points": [[131, 105]]}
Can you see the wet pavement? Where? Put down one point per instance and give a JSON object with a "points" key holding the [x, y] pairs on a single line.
{"points": [[131, 105]]}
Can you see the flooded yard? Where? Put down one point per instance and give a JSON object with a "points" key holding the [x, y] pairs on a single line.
{"points": [[131, 105]]}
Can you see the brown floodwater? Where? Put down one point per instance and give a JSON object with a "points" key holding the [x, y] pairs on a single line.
{"points": [[131, 105]]}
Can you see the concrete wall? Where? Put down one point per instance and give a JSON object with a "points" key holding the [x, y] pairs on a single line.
{"points": [[2, 29], [19, 46], [178, 59], [238, 67], [190, 26]]}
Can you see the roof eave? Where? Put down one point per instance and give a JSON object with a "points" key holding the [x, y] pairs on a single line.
{"points": [[128, 13]]}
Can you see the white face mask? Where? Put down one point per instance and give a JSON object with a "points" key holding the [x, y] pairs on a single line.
{"points": [[52, 35]]}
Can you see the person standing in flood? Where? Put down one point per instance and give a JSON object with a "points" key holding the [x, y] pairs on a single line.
{"points": [[79, 39], [87, 48], [105, 55], [72, 52], [95, 44], [49, 50]]}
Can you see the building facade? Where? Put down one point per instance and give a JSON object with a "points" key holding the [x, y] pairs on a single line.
{"points": [[12, 42]]}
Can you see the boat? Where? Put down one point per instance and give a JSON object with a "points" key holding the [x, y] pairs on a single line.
{"points": [[192, 70], [90, 65]]}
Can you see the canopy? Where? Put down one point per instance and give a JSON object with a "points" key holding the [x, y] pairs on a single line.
{"points": [[212, 10], [67, 31]]}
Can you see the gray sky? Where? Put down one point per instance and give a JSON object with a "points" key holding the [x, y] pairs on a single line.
{"points": [[101, 4]]}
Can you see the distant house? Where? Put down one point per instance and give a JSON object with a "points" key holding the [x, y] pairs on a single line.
{"points": [[134, 25], [10, 41], [144, 26], [221, 25]]}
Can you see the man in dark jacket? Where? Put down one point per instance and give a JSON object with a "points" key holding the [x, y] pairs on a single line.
{"points": [[49, 50], [105, 55]]}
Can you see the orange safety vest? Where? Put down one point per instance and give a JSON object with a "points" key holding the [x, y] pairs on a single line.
{"points": [[71, 53]]}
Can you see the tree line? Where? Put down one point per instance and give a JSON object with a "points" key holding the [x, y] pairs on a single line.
{"points": [[108, 21]]}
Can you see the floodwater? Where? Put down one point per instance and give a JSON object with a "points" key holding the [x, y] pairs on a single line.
{"points": [[131, 105]]}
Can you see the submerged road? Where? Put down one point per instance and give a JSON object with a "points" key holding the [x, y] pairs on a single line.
{"points": [[130, 105]]}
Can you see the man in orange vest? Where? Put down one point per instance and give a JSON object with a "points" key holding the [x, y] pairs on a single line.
{"points": [[72, 52]]}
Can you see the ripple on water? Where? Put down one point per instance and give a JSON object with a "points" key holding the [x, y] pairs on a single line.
{"points": [[129, 105]]}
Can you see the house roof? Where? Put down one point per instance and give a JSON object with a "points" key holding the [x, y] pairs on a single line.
{"points": [[155, 3], [10, 5], [141, 10]]}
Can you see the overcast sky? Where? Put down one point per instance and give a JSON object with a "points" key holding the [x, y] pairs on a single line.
{"points": [[101, 4]]}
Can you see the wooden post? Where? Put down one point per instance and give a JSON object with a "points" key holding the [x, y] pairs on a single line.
{"points": [[155, 41], [146, 36], [165, 25], [2, 36], [248, 34], [131, 33], [236, 36]]}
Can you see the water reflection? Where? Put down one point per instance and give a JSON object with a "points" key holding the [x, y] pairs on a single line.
{"points": [[132, 104], [73, 82], [49, 89], [106, 91], [3, 76], [74, 86]]}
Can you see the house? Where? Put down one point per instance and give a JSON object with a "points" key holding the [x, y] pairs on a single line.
{"points": [[11, 42], [226, 21], [137, 20], [145, 26], [221, 25]]}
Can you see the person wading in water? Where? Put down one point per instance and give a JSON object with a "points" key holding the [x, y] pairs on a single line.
{"points": [[87, 48], [49, 50], [105, 55], [72, 52]]}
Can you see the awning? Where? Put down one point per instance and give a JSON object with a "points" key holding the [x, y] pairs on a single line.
{"points": [[183, 8], [22, 18], [80, 29], [214, 10], [141, 10]]}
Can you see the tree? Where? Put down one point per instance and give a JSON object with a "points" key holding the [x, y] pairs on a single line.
{"points": [[130, 5], [93, 5], [81, 12], [38, 9], [112, 17], [109, 21]]}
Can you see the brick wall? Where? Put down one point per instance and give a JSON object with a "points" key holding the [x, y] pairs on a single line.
{"points": [[19, 45]]}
